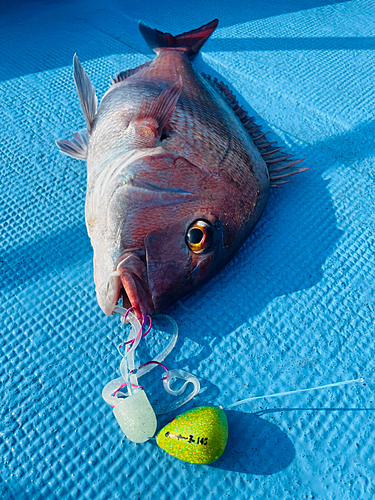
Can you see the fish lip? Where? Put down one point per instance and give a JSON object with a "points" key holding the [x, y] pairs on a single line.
{"points": [[108, 293], [134, 288]]}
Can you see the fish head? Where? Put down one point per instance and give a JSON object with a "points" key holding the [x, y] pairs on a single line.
{"points": [[162, 220], [181, 256], [164, 227]]}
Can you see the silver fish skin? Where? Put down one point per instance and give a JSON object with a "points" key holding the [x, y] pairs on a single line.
{"points": [[175, 183]]}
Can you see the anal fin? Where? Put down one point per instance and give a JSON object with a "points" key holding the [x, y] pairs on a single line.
{"points": [[124, 75]]}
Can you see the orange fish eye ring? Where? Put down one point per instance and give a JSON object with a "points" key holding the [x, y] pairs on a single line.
{"points": [[199, 236]]}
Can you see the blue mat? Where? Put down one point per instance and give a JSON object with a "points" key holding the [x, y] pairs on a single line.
{"points": [[294, 309]]}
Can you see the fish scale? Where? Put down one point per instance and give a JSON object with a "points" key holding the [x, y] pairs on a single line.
{"points": [[176, 178], [196, 108]]}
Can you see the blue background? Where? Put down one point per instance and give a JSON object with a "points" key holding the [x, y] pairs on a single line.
{"points": [[294, 309]]}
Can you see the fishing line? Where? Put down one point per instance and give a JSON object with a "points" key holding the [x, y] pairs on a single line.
{"points": [[196, 436], [247, 400]]}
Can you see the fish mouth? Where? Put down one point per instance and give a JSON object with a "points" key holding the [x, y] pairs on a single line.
{"points": [[133, 287], [127, 282]]}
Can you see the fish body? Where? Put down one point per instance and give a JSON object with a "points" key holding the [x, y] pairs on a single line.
{"points": [[175, 182]]}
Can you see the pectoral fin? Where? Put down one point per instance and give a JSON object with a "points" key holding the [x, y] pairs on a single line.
{"points": [[162, 108], [154, 114]]}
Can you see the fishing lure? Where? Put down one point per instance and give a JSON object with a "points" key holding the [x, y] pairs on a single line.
{"points": [[196, 436]]}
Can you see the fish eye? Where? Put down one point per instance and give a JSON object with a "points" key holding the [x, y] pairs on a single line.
{"points": [[199, 236]]}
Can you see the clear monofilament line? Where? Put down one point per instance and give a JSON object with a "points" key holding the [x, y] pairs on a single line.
{"points": [[358, 380]]}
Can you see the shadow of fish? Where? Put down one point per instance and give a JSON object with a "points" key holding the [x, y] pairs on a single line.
{"points": [[178, 175]]}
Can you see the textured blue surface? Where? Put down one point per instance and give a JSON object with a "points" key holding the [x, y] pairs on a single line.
{"points": [[294, 309]]}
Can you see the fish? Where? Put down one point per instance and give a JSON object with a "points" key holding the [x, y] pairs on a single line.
{"points": [[178, 175]]}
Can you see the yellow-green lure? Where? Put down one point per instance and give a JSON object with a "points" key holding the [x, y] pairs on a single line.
{"points": [[197, 436]]}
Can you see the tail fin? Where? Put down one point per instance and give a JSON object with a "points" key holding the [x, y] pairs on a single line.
{"points": [[189, 43]]}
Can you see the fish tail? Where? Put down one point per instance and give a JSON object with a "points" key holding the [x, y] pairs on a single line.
{"points": [[190, 43]]}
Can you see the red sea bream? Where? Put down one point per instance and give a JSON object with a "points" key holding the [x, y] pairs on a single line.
{"points": [[177, 175]]}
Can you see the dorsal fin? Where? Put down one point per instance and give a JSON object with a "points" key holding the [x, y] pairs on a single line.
{"points": [[189, 43], [86, 92], [274, 165]]}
